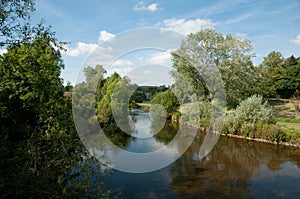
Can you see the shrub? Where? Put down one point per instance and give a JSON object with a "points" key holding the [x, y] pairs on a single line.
{"points": [[250, 112], [254, 109], [168, 100]]}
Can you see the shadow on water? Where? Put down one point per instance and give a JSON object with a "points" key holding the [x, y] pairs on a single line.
{"points": [[235, 168]]}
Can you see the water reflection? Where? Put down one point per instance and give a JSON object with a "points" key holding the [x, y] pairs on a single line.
{"points": [[234, 169]]}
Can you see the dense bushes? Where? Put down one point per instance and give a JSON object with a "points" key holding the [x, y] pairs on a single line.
{"points": [[253, 118], [168, 100]]}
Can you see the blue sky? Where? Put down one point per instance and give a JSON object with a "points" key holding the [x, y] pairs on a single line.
{"points": [[269, 25]]}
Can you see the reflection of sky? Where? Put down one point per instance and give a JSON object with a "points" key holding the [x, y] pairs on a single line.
{"points": [[283, 183], [148, 154]]}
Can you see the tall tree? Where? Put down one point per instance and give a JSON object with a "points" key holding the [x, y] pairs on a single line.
{"points": [[290, 61], [272, 60], [31, 86], [231, 56]]}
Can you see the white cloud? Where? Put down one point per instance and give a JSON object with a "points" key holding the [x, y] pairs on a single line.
{"points": [[105, 36], [123, 71], [86, 48], [161, 58], [238, 19], [2, 51], [147, 72], [189, 26], [121, 62], [241, 35], [80, 49], [152, 7], [297, 40], [141, 6]]}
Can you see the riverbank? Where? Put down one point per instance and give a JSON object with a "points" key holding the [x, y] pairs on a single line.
{"points": [[278, 108], [203, 130]]}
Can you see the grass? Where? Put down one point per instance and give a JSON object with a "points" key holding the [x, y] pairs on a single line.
{"points": [[287, 117], [145, 106]]}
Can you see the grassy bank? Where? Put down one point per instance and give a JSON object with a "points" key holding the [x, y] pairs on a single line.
{"points": [[287, 118]]}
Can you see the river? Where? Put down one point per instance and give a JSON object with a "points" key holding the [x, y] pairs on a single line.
{"points": [[235, 168]]}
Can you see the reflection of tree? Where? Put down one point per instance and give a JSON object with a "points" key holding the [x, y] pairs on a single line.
{"points": [[117, 136], [226, 171], [166, 134]]}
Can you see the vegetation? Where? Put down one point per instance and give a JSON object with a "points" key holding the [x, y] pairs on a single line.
{"points": [[231, 56], [246, 86], [41, 154], [169, 102], [146, 93]]}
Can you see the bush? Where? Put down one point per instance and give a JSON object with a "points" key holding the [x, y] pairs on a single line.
{"points": [[253, 118], [254, 109], [168, 100]]}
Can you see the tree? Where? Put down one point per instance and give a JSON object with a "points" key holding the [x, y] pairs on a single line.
{"points": [[287, 81], [31, 86], [168, 100], [231, 56], [291, 61], [37, 130], [281, 76], [273, 59], [14, 21]]}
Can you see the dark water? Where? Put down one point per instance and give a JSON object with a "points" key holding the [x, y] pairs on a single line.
{"points": [[235, 168]]}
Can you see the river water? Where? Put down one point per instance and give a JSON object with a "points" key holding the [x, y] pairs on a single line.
{"points": [[235, 168]]}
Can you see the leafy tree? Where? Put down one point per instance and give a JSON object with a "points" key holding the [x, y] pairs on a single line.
{"points": [[14, 21], [287, 81], [291, 61], [182, 89], [232, 57], [104, 112], [280, 77], [41, 153], [37, 131], [31, 86], [168, 100], [273, 59]]}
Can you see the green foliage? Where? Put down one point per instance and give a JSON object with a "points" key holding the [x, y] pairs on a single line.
{"points": [[14, 21], [254, 109], [281, 76], [253, 118], [231, 56], [196, 112], [104, 112], [146, 93], [168, 100], [273, 59], [39, 145], [31, 87]]}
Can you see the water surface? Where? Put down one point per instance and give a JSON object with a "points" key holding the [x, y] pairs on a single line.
{"points": [[235, 168]]}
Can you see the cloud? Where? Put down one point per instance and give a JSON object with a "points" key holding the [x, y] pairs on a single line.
{"points": [[86, 48], [152, 7], [122, 62], [160, 58], [187, 26], [241, 35], [147, 72], [141, 6], [105, 36], [2, 51], [238, 19], [297, 40], [123, 71], [80, 49]]}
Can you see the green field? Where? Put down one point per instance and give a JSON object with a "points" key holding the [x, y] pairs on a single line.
{"points": [[287, 117]]}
